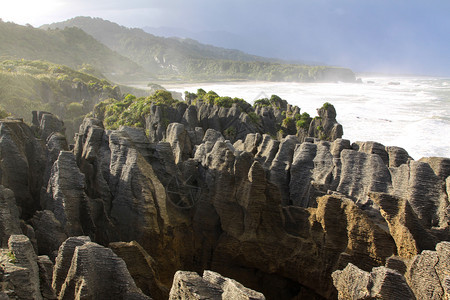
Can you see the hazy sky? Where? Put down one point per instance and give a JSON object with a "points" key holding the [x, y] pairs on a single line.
{"points": [[402, 36]]}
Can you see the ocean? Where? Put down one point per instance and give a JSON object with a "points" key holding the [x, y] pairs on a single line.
{"points": [[412, 113]]}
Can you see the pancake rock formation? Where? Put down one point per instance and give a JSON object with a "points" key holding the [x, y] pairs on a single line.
{"points": [[261, 215]]}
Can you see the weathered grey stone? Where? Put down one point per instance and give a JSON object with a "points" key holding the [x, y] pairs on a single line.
{"points": [[440, 165], [389, 284], [26, 258], [428, 271], [28, 231], [404, 226], [64, 259], [189, 285], [362, 173], [49, 233], [338, 145], [180, 141], [237, 225], [425, 191], [92, 142], [196, 136], [96, 272], [189, 119], [325, 127], [141, 268], [49, 124], [66, 189], [15, 280], [22, 164], [372, 148], [381, 283], [301, 172], [281, 165], [447, 287], [9, 216], [251, 143], [351, 282], [45, 276], [324, 172], [397, 156], [267, 150], [213, 136], [231, 288], [396, 263]]}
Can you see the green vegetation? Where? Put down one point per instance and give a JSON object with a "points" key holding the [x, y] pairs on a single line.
{"points": [[11, 257], [326, 105], [39, 85], [274, 101], [131, 111], [212, 97], [217, 69], [254, 117], [264, 102], [185, 59], [303, 120], [70, 46], [3, 113], [230, 133], [288, 122]]}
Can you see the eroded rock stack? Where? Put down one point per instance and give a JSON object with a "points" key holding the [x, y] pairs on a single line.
{"points": [[189, 285], [279, 216], [425, 277]]}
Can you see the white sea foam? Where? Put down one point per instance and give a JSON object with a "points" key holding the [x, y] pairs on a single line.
{"points": [[414, 114]]}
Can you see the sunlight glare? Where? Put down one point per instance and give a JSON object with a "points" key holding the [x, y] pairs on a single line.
{"points": [[30, 11]]}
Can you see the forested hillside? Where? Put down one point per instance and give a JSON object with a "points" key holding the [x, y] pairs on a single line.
{"points": [[70, 46], [38, 85], [185, 59]]}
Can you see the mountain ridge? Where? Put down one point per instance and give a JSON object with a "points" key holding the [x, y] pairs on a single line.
{"points": [[186, 59], [70, 46]]}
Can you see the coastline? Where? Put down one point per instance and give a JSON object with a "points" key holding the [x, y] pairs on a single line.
{"points": [[411, 115]]}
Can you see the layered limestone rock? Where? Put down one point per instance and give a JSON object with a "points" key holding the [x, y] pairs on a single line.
{"points": [[426, 278], [189, 285], [381, 283], [22, 164], [236, 121], [404, 225], [64, 260], [278, 216], [250, 214], [428, 273], [180, 141], [49, 232], [425, 191], [141, 268], [281, 165], [46, 277], [9, 216], [127, 180], [233, 207], [66, 197], [27, 285], [325, 126], [94, 272], [46, 124]]}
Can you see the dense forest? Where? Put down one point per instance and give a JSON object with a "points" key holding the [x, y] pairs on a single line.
{"points": [[186, 59], [38, 85], [70, 46]]}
